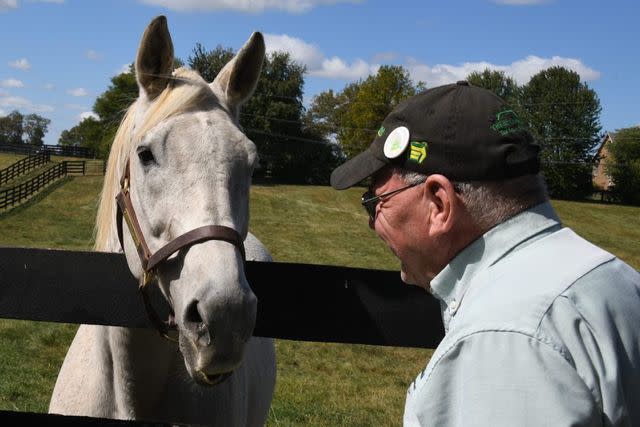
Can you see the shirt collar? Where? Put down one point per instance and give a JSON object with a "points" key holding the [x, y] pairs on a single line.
{"points": [[452, 282]]}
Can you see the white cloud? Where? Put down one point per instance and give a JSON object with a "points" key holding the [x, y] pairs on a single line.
{"points": [[317, 64], [336, 68], [21, 64], [249, 6], [521, 71], [124, 69], [93, 55], [79, 91], [23, 104], [86, 114], [8, 4], [300, 51], [2, 112], [11, 83], [49, 86], [13, 4], [521, 2]]}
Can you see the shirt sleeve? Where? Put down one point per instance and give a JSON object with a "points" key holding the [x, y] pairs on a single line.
{"points": [[500, 378]]}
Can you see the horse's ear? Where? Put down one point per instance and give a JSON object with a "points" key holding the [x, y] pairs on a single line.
{"points": [[238, 79], [154, 61]]}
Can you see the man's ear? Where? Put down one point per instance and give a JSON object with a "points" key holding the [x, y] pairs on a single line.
{"points": [[443, 203]]}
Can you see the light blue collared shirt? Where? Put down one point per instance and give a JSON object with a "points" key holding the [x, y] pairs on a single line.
{"points": [[543, 328]]}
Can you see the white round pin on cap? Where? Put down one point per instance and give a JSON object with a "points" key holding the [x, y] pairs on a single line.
{"points": [[396, 142]]}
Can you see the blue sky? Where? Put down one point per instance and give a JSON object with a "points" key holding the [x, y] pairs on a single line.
{"points": [[57, 56]]}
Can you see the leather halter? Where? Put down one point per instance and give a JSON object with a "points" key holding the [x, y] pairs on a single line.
{"points": [[151, 260]]}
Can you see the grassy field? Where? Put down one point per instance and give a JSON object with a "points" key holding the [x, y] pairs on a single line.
{"points": [[318, 384]]}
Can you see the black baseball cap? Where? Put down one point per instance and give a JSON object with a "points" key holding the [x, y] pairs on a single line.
{"points": [[463, 132]]}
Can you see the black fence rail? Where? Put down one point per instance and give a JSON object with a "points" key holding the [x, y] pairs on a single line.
{"points": [[23, 166], [55, 150], [76, 167], [367, 306], [15, 195]]}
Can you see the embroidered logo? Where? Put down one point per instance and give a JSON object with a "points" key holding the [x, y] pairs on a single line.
{"points": [[506, 122], [418, 151]]}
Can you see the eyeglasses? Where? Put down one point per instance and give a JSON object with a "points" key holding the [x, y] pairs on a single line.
{"points": [[370, 202]]}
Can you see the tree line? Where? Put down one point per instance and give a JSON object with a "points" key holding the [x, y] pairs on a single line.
{"points": [[16, 128], [303, 145]]}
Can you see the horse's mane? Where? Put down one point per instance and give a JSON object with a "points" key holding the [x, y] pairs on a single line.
{"points": [[184, 90]]}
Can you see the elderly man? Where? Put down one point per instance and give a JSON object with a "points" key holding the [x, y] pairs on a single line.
{"points": [[542, 327]]}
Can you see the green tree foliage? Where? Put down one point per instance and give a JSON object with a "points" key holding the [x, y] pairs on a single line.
{"points": [[35, 127], [497, 82], [11, 128], [111, 107], [623, 165], [15, 126], [563, 114], [88, 133], [273, 118], [354, 115]]}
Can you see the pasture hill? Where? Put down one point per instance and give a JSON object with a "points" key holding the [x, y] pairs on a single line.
{"points": [[318, 384]]}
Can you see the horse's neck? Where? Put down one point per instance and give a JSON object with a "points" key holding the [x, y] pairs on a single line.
{"points": [[142, 363]]}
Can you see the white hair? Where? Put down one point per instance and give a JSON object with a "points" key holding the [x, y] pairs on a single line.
{"points": [[493, 202]]}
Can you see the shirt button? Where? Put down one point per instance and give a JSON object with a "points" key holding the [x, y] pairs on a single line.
{"points": [[453, 307]]}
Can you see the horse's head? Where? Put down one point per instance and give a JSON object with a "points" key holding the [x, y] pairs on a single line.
{"points": [[190, 166]]}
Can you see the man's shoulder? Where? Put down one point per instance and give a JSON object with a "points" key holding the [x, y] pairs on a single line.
{"points": [[516, 291]]}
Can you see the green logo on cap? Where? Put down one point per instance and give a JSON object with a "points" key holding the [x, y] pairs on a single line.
{"points": [[418, 151], [506, 122], [381, 131]]}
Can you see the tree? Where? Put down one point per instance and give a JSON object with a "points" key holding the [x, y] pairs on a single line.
{"points": [[623, 165], [88, 133], [273, 118], [111, 107], [35, 127], [497, 82], [11, 128], [563, 114], [354, 115]]}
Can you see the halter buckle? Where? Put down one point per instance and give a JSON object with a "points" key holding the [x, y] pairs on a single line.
{"points": [[147, 278]]}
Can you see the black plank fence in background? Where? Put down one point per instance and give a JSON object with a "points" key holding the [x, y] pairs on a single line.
{"points": [[54, 150], [301, 302], [23, 166], [12, 196]]}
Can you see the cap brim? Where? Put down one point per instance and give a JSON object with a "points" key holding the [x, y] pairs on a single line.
{"points": [[355, 170]]}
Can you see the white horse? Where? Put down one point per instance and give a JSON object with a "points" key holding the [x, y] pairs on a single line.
{"points": [[190, 166]]}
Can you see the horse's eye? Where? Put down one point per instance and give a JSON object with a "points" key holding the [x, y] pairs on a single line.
{"points": [[146, 156]]}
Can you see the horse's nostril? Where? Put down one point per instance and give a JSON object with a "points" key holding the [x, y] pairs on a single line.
{"points": [[195, 324], [192, 315]]}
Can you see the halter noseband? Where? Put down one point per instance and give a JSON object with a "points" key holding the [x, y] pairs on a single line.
{"points": [[150, 260]]}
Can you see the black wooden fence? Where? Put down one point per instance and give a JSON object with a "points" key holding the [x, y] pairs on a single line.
{"points": [[23, 166], [301, 302], [55, 150], [15, 195]]}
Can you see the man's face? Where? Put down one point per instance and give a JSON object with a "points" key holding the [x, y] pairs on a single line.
{"points": [[401, 221]]}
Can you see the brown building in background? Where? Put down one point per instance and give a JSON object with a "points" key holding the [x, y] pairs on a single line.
{"points": [[601, 180]]}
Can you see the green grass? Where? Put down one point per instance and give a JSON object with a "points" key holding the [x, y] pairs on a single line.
{"points": [[318, 384], [7, 159]]}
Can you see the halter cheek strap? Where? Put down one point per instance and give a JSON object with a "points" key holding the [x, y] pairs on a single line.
{"points": [[149, 260]]}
